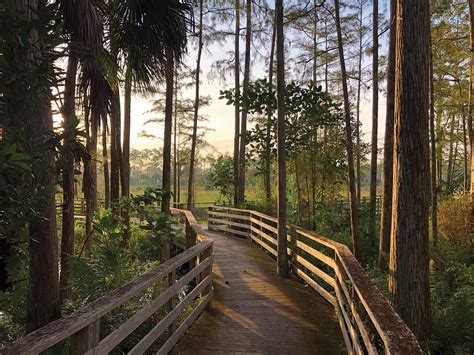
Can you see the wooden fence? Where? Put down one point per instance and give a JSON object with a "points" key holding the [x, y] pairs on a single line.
{"points": [[368, 322], [81, 330]]}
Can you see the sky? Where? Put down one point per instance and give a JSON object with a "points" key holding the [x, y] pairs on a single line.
{"points": [[221, 116]]}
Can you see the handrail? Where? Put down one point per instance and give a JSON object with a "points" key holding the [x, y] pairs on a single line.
{"points": [[368, 321], [83, 325]]}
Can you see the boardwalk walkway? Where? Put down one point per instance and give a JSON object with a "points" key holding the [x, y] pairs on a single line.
{"points": [[254, 311]]}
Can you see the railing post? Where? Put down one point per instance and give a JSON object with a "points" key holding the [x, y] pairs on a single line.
{"points": [[207, 271], [85, 339], [172, 305]]}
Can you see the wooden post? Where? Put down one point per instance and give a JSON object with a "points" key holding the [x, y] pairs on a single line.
{"points": [[207, 271], [85, 339], [141, 212], [172, 305]]}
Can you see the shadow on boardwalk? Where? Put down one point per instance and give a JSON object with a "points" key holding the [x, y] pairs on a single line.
{"points": [[254, 311]]}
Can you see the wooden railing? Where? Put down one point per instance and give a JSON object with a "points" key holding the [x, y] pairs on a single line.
{"points": [[368, 322], [80, 331]]}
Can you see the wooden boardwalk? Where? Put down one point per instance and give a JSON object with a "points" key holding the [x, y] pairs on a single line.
{"points": [[254, 311]]}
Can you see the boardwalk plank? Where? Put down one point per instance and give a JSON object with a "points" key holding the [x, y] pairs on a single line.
{"points": [[256, 312]]}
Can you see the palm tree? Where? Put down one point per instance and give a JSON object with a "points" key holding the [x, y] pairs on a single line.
{"points": [[82, 23]]}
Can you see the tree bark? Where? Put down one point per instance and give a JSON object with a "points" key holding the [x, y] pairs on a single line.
{"points": [[105, 158], [126, 131], [282, 265], [434, 196], [359, 84], [268, 157], [90, 174], [196, 110], [43, 300], [354, 213], [471, 104], [165, 204], [175, 146], [68, 230], [243, 128], [386, 217], [451, 150], [375, 120], [115, 149], [237, 98], [409, 256]]}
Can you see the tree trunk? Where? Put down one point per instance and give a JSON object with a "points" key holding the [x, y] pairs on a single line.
{"points": [[409, 255], [126, 131], [175, 146], [375, 120], [268, 157], [471, 104], [354, 213], [451, 150], [315, 43], [386, 217], [434, 196], [359, 84], [165, 204], [115, 150], [243, 128], [465, 153], [237, 96], [282, 267], [69, 114], [90, 175], [43, 301], [196, 110], [105, 159]]}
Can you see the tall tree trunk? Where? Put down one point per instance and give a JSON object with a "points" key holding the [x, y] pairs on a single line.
{"points": [[434, 162], [125, 171], [282, 266], [43, 301], [175, 146], [386, 217], [354, 213], [409, 255], [105, 158], [126, 131], [69, 114], [115, 148], [359, 85], [465, 153], [451, 150], [165, 204], [471, 104], [196, 110], [315, 43], [243, 128], [375, 120], [90, 174], [268, 156], [326, 57], [237, 95]]}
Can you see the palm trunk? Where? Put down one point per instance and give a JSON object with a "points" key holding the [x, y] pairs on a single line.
{"points": [[165, 204], [243, 129], [105, 158], [90, 175], [354, 213], [67, 239], [375, 119], [409, 255], [386, 218], [125, 173], [434, 196], [115, 150], [471, 104], [237, 96], [282, 266], [196, 111]]}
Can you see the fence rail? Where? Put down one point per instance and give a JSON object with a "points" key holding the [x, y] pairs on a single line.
{"points": [[368, 322], [82, 327]]}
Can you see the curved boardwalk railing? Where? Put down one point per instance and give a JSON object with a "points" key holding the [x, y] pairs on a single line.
{"points": [[82, 327], [368, 322]]}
